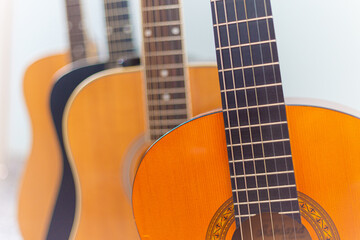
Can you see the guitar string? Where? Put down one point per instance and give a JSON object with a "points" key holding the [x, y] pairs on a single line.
{"points": [[281, 129], [232, 160], [258, 111], [249, 120]]}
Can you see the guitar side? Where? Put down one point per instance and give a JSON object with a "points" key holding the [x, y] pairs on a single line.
{"points": [[180, 198], [41, 176], [104, 119]]}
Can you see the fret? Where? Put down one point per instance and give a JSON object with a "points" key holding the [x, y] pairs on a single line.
{"points": [[165, 102], [163, 39], [161, 24], [159, 3], [164, 60], [255, 106], [161, 7], [181, 117], [251, 87], [267, 201], [164, 53], [116, 4], [168, 87], [246, 44], [243, 21], [159, 80], [253, 66], [167, 90], [246, 216], [262, 142], [117, 11], [119, 26], [258, 174], [260, 159], [156, 124], [165, 15], [162, 46], [118, 17], [164, 66]]}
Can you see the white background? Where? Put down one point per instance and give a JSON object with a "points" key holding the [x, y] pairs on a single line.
{"points": [[318, 43]]}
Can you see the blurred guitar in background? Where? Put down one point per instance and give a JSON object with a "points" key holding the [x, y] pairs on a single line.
{"points": [[41, 178], [121, 53], [113, 116]]}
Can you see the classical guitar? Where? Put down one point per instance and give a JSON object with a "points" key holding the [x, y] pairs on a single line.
{"points": [[230, 175], [41, 176], [121, 48], [113, 116]]}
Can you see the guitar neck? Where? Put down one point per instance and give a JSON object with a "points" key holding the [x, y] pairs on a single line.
{"points": [[258, 144], [76, 30], [119, 31], [164, 62]]}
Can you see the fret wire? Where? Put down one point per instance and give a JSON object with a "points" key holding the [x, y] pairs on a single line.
{"points": [[252, 87], [166, 79], [260, 142], [252, 215], [251, 66], [265, 188], [159, 24], [254, 107], [164, 66], [163, 39], [246, 44], [259, 174], [243, 21], [266, 201], [167, 90], [161, 7], [263, 158]]}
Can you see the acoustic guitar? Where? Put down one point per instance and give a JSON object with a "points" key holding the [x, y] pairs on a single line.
{"points": [[232, 174], [113, 116], [121, 53], [41, 178]]}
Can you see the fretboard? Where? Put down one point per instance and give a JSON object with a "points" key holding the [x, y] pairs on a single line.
{"points": [[164, 62], [257, 137], [119, 31], [76, 31]]}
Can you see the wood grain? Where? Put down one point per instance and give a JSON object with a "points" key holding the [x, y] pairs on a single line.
{"points": [[102, 121], [184, 178], [39, 184]]}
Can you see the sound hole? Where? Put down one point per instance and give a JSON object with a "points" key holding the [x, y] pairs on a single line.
{"points": [[271, 226]]}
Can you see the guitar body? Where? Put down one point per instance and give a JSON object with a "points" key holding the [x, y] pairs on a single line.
{"points": [[41, 176], [106, 124], [64, 209], [190, 197]]}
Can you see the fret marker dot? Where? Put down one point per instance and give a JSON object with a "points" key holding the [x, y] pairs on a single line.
{"points": [[164, 73], [127, 29], [166, 97], [110, 30], [80, 26], [70, 25], [175, 30], [78, 50], [147, 33]]}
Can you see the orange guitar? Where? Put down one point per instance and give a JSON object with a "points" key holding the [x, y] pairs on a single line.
{"points": [[41, 178], [201, 182], [113, 116]]}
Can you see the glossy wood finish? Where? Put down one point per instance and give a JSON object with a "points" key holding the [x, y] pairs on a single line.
{"points": [[42, 171], [184, 178], [103, 119]]}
